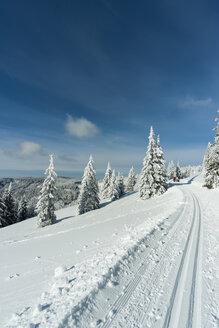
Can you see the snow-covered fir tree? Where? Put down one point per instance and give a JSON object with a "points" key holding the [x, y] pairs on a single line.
{"points": [[171, 171], [9, 215], [45, 205], [3, 222], [151, 180], [131, 181], [88, 199], [178, 171], [105, 194], [186, 171], [212, 162], [113, 190], [120, 184], [160, 170], [206, 157], [22, 213]]}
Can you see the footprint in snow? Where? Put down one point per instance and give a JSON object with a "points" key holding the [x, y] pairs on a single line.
{"points": [[16, 275]]}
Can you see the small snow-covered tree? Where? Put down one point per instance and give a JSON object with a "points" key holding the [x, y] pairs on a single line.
{"points": [[152, 179], [212, 162], [171, 171], [120, 185], [106, 183], [178, 171], [131, 181], [22, 213], [45, 205], [88, 199], [9, 215], [113, 190]]}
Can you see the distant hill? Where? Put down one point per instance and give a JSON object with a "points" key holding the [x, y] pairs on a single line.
{"points": [[67, 190]]}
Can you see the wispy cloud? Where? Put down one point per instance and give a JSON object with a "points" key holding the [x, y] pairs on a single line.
{"points": [[81, 127], [67, 158], [26, 149], [192, 101]]}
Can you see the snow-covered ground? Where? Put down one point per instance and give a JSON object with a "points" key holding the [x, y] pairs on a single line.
{"points": [[131, 263]]}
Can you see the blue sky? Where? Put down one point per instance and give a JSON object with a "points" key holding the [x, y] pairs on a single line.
{"points": [[81, 77]]}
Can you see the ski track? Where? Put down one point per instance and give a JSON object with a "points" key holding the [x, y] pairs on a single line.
{"points": [[132, 285], [178, 298], [157, 284], [184, 295]]}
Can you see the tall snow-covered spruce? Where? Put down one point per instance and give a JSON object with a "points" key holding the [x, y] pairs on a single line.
{"points": [[8, 211], [153, 178], [178, 171], [171, 171], [120, 184], [160, 170], [212, 161], [3, 222], [113, 190], [88, 199], [22, 210], [131, 181], [45, 206], [105, 192]]}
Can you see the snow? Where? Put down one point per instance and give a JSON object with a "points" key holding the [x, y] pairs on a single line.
{"points": [[122, 265]]}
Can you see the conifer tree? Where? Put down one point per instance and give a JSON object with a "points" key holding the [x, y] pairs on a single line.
{"points": [[9, 215], [106, 183], [3, 222], [131, 181], [22, 210], [206, 157], [45, 206], [178, 171], [160, 171], [113, 190], [171, 171], [120, 185], [152, 179], [88, 199], [212, 162]]}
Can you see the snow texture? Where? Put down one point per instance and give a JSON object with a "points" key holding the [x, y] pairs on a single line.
{"points": [[132, 263]]}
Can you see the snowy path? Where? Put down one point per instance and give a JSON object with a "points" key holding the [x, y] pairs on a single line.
{"points": [[150, 264], [168, 268], [185, 302]]}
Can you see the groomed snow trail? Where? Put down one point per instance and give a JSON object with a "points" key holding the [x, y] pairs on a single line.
{"points": [[160, 284], [155, 272], [185, 302]]}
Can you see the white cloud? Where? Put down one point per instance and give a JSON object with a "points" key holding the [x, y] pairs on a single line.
{"points": [[81, 127], [192, 101], [26, 148]]}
